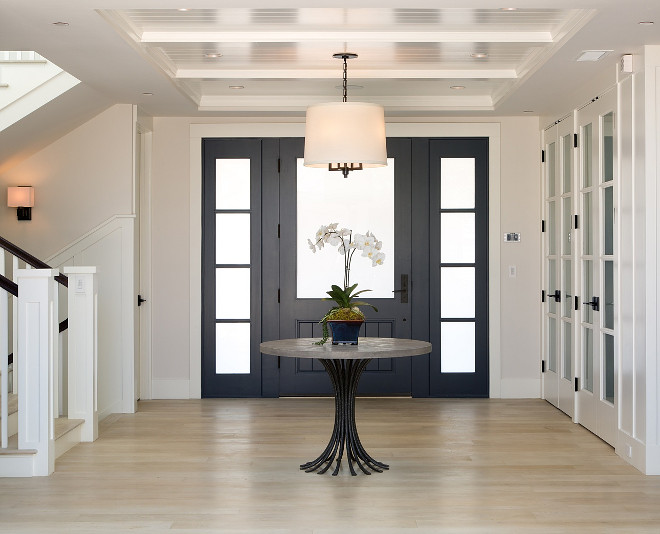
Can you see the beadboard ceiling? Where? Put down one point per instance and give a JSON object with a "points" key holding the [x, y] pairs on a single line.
{"points": [[179, 58]]}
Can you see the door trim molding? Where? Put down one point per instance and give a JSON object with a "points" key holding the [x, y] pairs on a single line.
{"points": [[491, 130]]}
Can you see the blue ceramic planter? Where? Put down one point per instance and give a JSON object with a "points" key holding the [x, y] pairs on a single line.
{"points": [[345, 332]]}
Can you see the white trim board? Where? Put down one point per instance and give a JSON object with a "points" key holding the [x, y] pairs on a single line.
{"points": [[421, 129]]}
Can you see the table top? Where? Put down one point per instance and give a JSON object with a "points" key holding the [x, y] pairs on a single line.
{"points": [[367, 347]]}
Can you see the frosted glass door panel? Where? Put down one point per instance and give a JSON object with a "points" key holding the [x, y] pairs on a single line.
{"points": [[457, 347], [457, 237], [551, 170], [588, 234], [608, 209], [232, 238], [457, 297], [608, 372], [568, 351], [363, 202], [552, 233], [608, 321], [567, 150], [457, 183], [587, 163], [232, 293], [232, 187], [566, 226], [588, 348], [232, 343], [552, 344]]}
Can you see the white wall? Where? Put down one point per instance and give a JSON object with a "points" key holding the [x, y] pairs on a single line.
{"points": [[519, 308], [83, 215], [79, 181]]}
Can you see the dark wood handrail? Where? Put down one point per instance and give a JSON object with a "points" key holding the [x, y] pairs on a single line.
{"points": [[30, 259], [9, 286]]}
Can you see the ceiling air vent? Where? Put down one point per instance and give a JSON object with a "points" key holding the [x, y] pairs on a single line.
{"points": [[592, 55]]}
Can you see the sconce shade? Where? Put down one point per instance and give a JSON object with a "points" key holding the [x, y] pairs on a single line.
{"points": [[20, 197], [345, 133]]}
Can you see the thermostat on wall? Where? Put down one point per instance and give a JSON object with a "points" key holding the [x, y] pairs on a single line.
{"points": [[512, 237]]}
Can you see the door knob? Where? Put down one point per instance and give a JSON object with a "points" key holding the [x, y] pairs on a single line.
{"points": [[555, 295]]}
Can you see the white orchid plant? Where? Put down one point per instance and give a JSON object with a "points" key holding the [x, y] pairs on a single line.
{"points": [[347, 244]]}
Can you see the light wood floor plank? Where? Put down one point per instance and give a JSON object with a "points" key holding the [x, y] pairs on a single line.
{"points": [[463, 466]]}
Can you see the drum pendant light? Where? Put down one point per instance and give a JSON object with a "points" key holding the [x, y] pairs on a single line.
{"points": [[345, 136]]}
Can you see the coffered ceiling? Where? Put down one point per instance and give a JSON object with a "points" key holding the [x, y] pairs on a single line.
{"points": [[410, 60]]}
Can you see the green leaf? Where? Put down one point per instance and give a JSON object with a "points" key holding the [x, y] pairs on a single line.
{"points": [[360, 303]]}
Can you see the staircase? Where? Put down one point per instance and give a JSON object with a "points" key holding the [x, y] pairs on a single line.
{"points": [[32, 436]]}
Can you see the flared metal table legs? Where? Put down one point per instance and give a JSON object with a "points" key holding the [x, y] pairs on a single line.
{"points": [[344, 375]]}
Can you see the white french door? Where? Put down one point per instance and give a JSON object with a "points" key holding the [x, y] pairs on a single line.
{"points": [[596, 397], [559, 312]]}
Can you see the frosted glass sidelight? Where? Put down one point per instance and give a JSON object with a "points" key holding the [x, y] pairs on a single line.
{"points": [[587, 163], [567, 371], [552, 344], [232, 348], [457, 238], [552, 231], [232, 238], [232, 184], [457, 292], [364, 201], [567, 151], [567, 221], [456, 183], [232, 293], [587, 233], [551, 170], [588, 348], [457, 348], [608, 374], [608, 147]]}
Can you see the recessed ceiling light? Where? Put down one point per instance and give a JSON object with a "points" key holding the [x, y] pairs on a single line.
{"points": [[508, 9], [213, 55], [237, 87], [147, 94], [592, 55], [183, 9], [479, 55], [646, 23], [457, 87], [60, 23]]}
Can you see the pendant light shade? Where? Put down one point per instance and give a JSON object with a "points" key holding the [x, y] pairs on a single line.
{"points": [[345, 136], [345, 133]]}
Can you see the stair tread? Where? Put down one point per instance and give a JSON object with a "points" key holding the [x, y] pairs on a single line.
{"points": [[63, 425]]}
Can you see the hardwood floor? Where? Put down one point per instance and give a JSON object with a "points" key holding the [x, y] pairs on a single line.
{"points": [[464, 466]]}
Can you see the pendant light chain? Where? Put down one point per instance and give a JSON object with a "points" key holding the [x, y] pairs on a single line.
{"points": [[345, 80]]}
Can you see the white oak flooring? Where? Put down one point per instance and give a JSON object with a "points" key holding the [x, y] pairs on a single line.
{"points": [[231, 466]]}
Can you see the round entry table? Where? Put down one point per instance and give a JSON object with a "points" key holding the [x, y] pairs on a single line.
{"points": [[344, 364]]}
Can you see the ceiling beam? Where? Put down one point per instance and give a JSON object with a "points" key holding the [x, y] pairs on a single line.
{"points": [[344, 35], [356, 74]]}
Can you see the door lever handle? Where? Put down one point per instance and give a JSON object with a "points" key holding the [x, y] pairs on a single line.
{"points": [[594, 303]]}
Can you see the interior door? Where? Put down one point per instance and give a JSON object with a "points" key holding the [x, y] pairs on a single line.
{"points": [[376, 200], [559, 239], [596, 409]]}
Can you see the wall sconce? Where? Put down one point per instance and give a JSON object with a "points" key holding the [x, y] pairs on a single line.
{"points": [[21, 198]]}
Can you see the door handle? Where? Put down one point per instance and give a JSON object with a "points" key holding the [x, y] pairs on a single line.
{"points": [[594, 303], [404, 289], [556, 295], [141, 300]]}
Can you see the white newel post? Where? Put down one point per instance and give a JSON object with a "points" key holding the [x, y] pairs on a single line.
{"points": [[82, 335], [37, 352]]}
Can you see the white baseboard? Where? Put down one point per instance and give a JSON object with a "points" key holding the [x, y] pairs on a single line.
{"points": [[520, 388], [652, 460], [170, 389], [633, 451]]}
